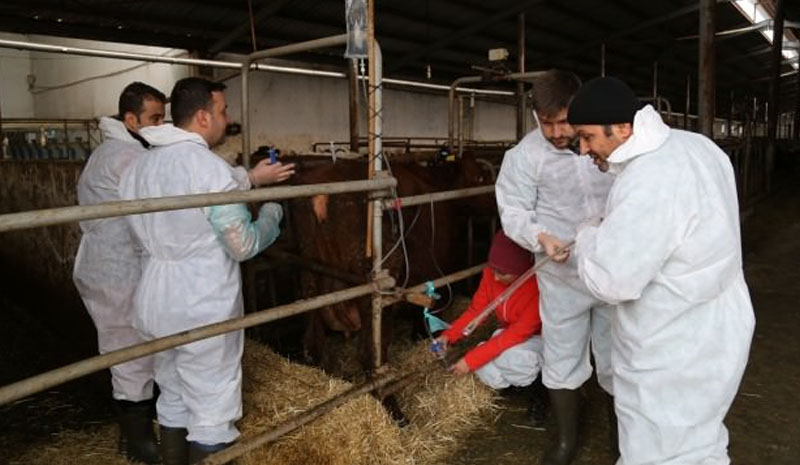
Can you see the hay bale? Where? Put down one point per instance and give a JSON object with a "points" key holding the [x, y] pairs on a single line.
{"points": [[443, 409], [275, 389]]}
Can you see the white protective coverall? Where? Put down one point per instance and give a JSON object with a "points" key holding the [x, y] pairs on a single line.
{"points": [[190, 278], [543, 189], [107, 265], [518, 365], [668, 255]]}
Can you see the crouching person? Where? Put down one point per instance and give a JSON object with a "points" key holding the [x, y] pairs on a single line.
{"points": [[190, 274], [513, 355]]}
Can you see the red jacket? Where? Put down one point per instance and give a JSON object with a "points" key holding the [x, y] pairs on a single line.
{"points": [[519, 316]]}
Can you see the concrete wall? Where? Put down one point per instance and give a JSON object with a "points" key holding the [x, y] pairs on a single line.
{"points": [[293, 112], [289, 111], [69, 86], [15, 66]]}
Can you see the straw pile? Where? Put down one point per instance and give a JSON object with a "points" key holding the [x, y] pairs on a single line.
{"points": [[442, 409], [359, 432]]}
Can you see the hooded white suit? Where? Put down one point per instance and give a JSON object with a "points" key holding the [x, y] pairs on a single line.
{"points": [[668, 256], [544, 189], [191, 277], [107, 265]]}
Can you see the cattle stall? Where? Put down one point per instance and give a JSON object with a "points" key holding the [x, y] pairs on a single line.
{"points": [[381, 200]]}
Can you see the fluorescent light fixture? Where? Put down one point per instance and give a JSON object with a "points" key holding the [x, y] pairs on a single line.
{"points": [[755, 13]]}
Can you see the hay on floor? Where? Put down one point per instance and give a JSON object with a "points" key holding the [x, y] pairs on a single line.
{"points": [[275, 389], [92, 446], [442, 409]]}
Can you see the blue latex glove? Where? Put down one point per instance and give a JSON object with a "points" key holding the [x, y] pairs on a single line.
{"points": [[241, 237]]}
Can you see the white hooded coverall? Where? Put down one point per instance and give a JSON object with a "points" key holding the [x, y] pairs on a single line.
{"points": [[107, 265], [191, 277], [668, 256], [543, 189]]}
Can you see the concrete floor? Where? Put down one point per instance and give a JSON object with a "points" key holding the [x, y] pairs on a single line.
{"points": [[764, 422]]}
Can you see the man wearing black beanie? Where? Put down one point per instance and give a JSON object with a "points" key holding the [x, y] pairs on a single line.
{"points": [[668, 256]]}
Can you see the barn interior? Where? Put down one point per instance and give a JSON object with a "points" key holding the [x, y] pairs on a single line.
{"points": [[440, 89]]}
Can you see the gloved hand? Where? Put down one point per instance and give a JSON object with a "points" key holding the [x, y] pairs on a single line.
{"points": [[440, 345], [271, 210], [240, 236]]}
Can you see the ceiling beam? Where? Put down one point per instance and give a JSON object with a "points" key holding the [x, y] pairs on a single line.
{"points": [[265, 12]]}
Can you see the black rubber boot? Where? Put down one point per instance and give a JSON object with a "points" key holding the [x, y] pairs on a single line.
{"points": [[539, 410], [174, 448], [137, 438], [198, 452], [566, 408], [613, 431]]}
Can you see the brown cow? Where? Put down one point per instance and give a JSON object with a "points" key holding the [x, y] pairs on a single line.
{"points": [[332, 230]]}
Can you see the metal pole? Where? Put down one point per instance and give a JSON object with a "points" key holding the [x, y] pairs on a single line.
{"points": [[353, 81], [452, 97], [522, 52], [655, 81], [324, 42], [730, 116], [375, 215], [688, 102], [777, 58], [603, 59], [460, 126], [51, 216], [797, 109], [3, 149], [46, 380], [706, 72], [452, 108], [390, 204], [774, 90]]}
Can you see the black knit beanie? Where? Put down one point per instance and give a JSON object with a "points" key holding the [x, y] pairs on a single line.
{"points": [[603, 100]]}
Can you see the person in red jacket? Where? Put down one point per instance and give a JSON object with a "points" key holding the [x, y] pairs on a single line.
{"points": [[513, 355]]}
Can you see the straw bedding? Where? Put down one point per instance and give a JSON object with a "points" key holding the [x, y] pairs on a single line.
{"points": [[442, 409]]}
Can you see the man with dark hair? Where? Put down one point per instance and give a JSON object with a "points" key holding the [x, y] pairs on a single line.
{"points": [[191, 276], [107, 265], [138, 106], [544, 191], [668, 256]]}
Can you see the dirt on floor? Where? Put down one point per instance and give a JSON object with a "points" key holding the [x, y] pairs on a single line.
{"points": [[764, 422]]}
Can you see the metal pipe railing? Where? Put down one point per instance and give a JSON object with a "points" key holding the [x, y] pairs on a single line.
{"points": [[443, 281], [331, 41], [402, 202], [375, 219], [51, 216], [61, 375], [100, 53], [475, 79]]}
